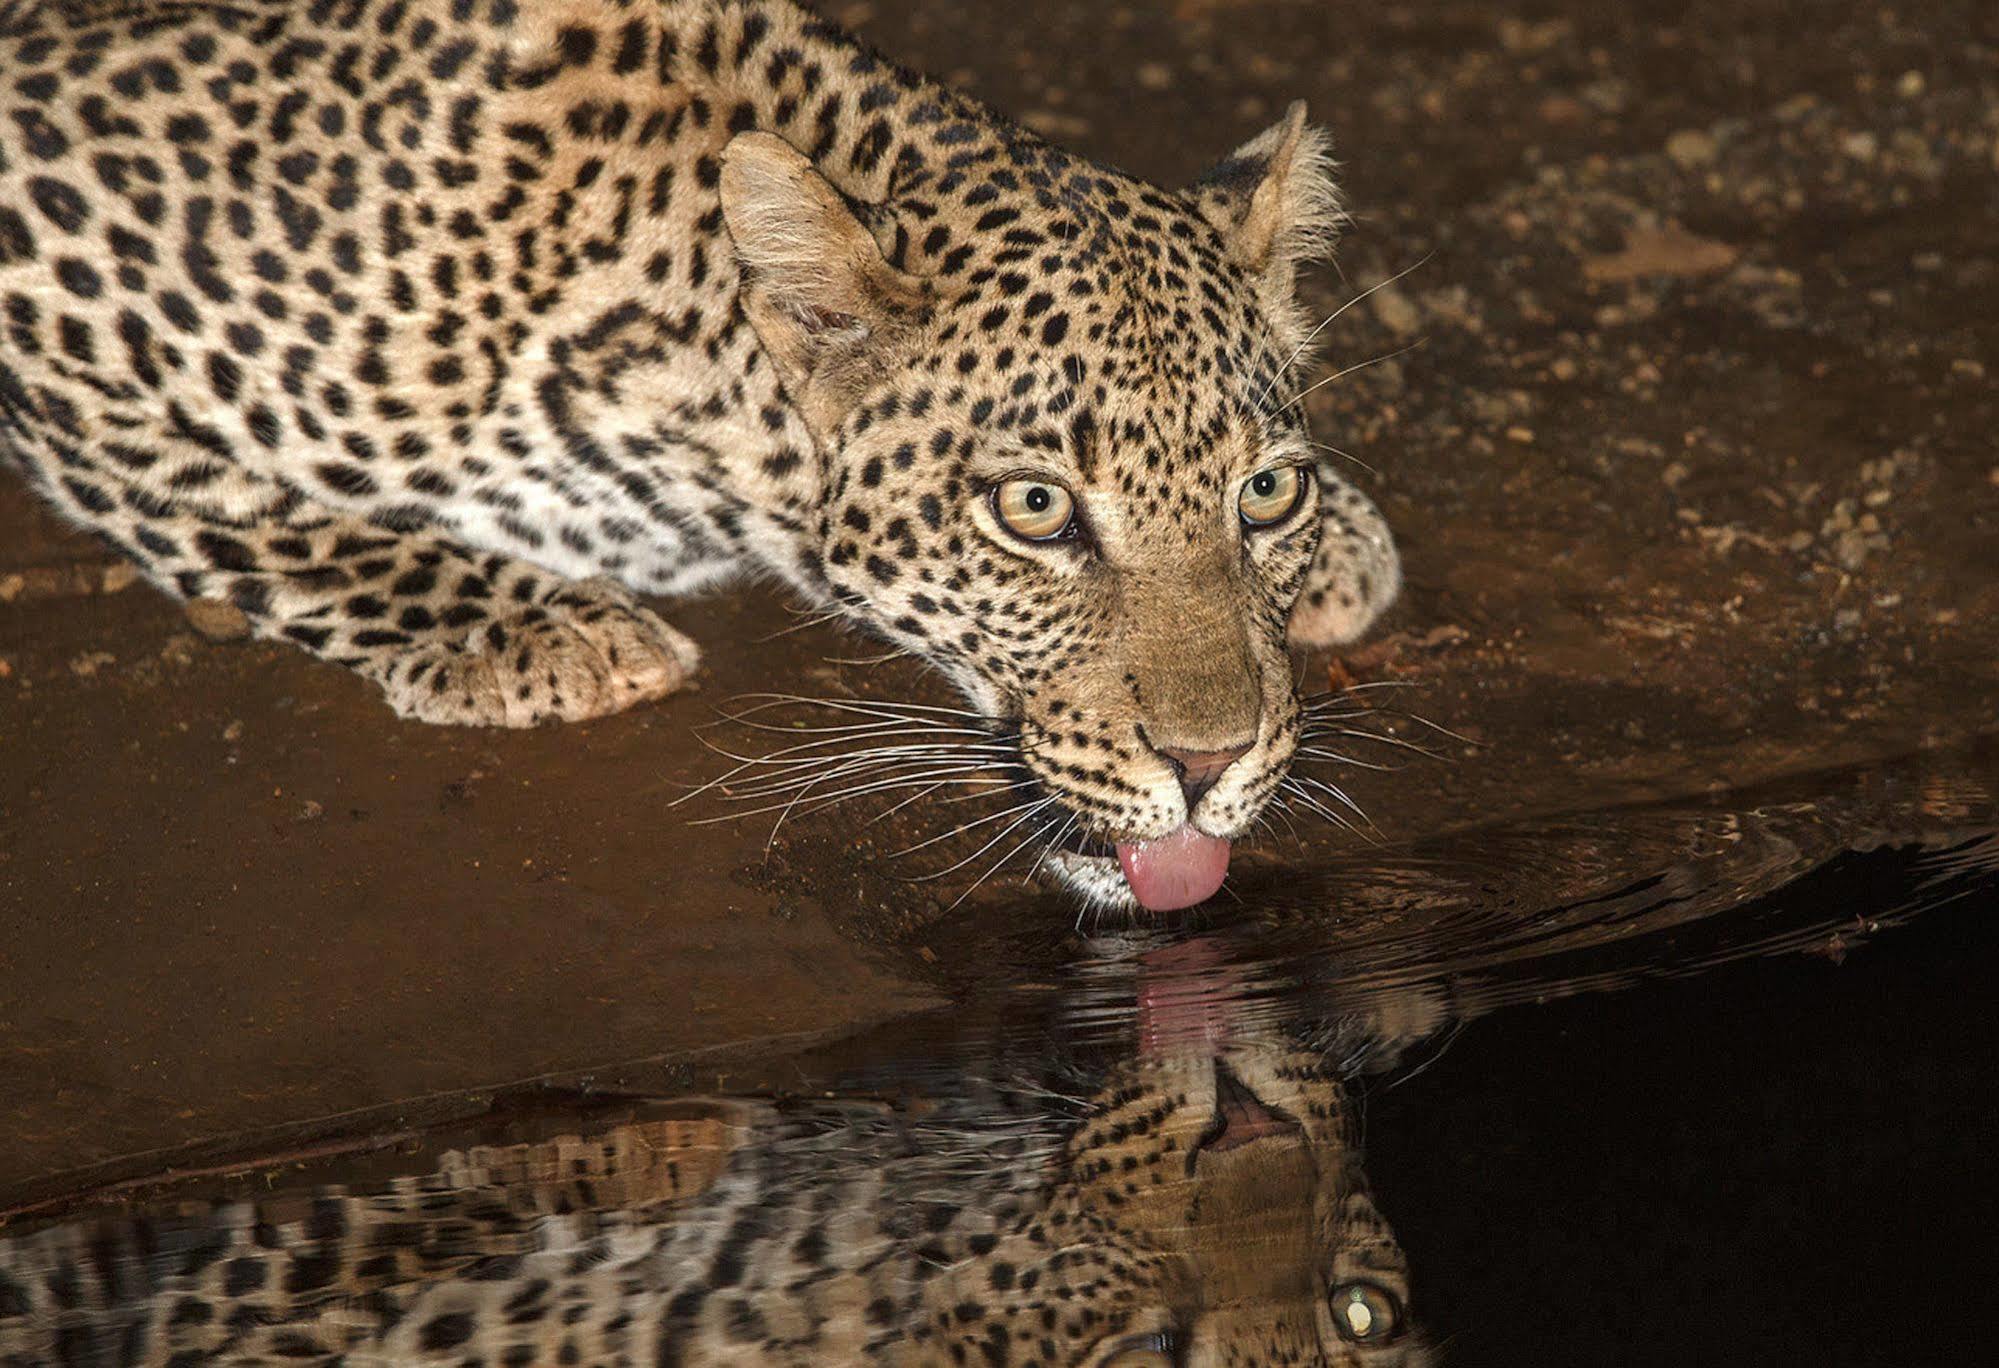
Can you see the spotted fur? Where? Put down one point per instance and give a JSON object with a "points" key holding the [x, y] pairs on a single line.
{"points": [[429, 333], [1001, 1234]]}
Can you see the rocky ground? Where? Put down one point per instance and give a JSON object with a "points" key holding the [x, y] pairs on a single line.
{"points": [[1680, 392]]}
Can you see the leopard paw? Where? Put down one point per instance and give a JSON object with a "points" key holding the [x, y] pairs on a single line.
{"points": [[1356, 574], [588, 651]]}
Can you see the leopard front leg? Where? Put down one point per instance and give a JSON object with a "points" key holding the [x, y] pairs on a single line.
{"points": [[1356, 574], [452, 636], [587, 649]]}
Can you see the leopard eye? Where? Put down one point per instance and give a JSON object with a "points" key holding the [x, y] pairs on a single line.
{"points": [[1035, 510], [1365, 1314], [1273, 495]]}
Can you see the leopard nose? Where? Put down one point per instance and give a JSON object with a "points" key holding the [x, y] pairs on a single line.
{"points": [[1200, 771]]}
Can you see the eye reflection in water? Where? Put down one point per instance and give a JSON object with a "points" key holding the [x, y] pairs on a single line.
{"points": [[1196, 1198]]}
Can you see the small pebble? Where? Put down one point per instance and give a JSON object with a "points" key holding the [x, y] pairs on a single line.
{"points": [[1691, 147], [217, 619], [1396, 311]]}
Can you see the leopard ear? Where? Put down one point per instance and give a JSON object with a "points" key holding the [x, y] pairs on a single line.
{"points": [[824, 301], [1275, 204]]}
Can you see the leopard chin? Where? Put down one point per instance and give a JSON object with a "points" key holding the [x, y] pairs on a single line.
{"points": [[1094, 880]]}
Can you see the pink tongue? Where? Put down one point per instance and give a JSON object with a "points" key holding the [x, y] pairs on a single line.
{"points": [[1175, 871]]}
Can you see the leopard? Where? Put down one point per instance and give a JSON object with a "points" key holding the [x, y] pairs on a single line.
{"points": [[1200, 1207], [434, 337]]}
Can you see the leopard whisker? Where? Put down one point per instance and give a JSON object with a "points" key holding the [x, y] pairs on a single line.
{"points": [[1338, 794], [973, 825], [1335, 757], [807, 621], [1281, 809], [820, 802], [1309, 745], [811, 754], [1052, 844], [823, 802], [1303, 790], [1332, 450], [754, 776], [878, 731], [869, 662], [1334, 315], [821, 766], [1315, 726], [1019, 846], [1365, 686], [779, 771], [1312, 804], [960, 798], [847, 728], [1348, 371], [864, 776], [1426, 723], [1007, 788], [779, 700], [1025, 816]]}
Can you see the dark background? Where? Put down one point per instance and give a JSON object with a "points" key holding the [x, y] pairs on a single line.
{"points": [[1779, 1162]]}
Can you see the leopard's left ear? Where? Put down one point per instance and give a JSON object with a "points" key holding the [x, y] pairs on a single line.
{"points": [[1275, 203], [828, 307]]}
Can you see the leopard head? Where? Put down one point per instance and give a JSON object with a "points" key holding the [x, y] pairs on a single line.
{"points": [[1062, 462], [1212, 1210]]}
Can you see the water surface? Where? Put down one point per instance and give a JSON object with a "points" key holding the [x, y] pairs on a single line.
{"points": [[1708, 1078]]}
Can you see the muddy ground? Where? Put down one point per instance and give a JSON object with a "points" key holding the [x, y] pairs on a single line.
{"points": [[1688, 435]]}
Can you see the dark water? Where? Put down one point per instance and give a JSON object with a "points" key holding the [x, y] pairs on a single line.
{"points": [[1707, 1082]]}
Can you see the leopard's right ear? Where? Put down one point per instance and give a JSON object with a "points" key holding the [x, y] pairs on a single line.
{"points": [[827, 305], [1276, 206]]}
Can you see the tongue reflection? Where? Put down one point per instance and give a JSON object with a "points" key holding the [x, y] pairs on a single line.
{"points": [[1175, 871]]}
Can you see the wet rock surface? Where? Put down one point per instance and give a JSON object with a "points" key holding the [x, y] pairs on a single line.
{"points": [[1676, 380]]}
